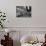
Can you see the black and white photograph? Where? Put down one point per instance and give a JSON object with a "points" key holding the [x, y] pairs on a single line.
{"points": [[23, 11]]}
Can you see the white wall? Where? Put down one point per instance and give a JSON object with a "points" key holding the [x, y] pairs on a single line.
{"points": [[37, 22], [38, 18]]}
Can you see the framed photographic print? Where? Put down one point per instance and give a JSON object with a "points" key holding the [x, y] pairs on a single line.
{"points": [[23, 13]]}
